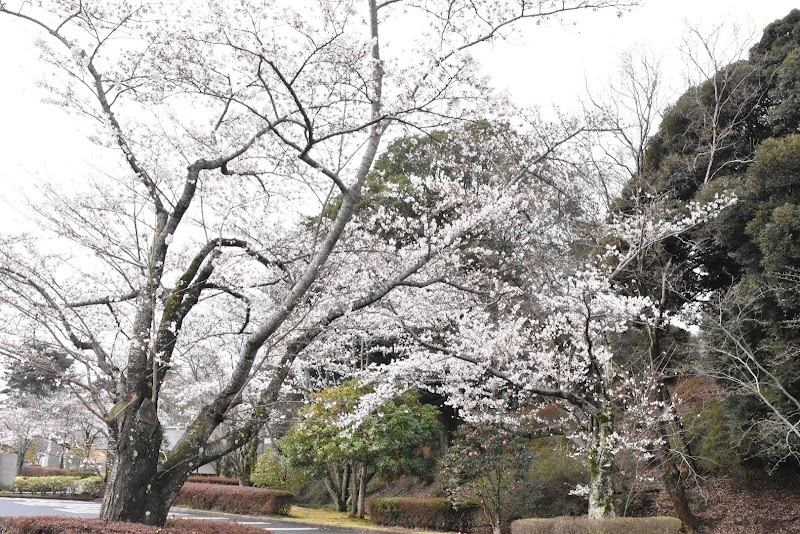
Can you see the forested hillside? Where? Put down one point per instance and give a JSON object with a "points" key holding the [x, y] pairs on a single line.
{"points": [[739, 377]]}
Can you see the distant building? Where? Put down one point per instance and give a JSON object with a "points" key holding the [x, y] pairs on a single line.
{"points": [[172, 436]]}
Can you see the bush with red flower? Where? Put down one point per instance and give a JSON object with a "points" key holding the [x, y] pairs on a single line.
{"points": [[488, 466]]}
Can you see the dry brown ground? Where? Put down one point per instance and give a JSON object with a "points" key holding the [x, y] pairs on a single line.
{"points": [[755, 504]]}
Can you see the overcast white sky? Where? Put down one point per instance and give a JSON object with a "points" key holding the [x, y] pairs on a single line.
{"points": [[549, 66]]}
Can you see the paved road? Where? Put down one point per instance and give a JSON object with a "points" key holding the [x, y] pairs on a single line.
{"points": [[28, 507]]}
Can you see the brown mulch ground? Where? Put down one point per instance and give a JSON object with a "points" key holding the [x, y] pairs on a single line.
{"points": [[754, 504]]}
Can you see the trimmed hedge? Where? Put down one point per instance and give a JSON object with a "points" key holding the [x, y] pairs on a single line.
{"points": [[44, 485], [89, 486], [427, 513], [584, 525], [73, 525], [60, 485], [40, 471], [213, 479], [235, 499]]}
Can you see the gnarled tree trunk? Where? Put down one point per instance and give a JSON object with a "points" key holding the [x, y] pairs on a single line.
{"points": [[133, 492]]}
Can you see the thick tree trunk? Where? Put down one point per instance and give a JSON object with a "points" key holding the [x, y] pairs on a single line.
{"points": [[134, 492], [601, 464], [334, 494]]}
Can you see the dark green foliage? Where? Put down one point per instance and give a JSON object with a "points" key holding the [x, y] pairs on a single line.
{"points": [[37, 369], [755, 356], [772, 193], [784, 116], [776, 55], [713, 440], [72, 525], [584, 525], [686, 151], [391, 442], [779, 39], [753, 246], [235, 499], [769, 251], [424, 513]]}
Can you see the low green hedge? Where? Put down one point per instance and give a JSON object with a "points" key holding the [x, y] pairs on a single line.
{"points": [[584, 525], [44, 485], [59, 485], [427, 513], [235, 499], [89, 486], [41, 471], [73, 525]]}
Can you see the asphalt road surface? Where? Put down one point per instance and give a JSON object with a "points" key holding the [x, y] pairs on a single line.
{"points": [[28, 507]]}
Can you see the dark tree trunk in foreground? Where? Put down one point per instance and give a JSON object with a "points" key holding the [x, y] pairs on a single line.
{"points": [[674, 478], [133, 492]]}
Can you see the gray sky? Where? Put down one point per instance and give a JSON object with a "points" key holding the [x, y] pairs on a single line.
{"points": [[552, 64], [549, 65]]}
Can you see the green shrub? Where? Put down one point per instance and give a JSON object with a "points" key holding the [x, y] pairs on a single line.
{"points": [[41, 471], [73, 525], [89, 486], [235, 499], [273, 471], [490, 466], [584, 525], [715, 442], [427, 513], [57, 485]]}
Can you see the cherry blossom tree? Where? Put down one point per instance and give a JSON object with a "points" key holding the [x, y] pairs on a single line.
{"points": [[504, 353], [20, 425], [231, 122], [27, 420]]}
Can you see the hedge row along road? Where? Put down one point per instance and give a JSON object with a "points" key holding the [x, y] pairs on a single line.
{"points": [[33, 507]]}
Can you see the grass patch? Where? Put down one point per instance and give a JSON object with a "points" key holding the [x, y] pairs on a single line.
{"points": [[331, 518]]}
